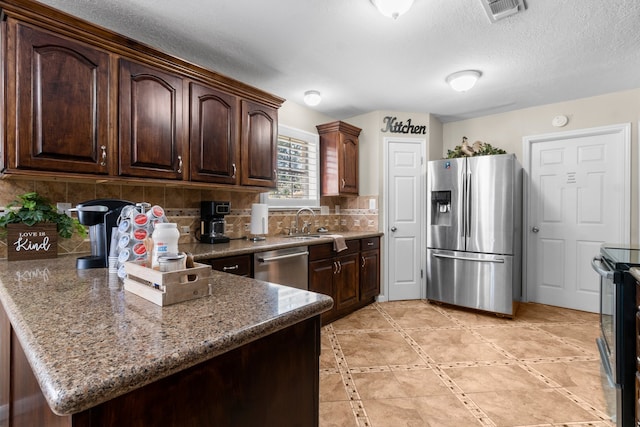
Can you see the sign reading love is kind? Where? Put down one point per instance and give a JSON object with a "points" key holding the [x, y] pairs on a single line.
{"points": [[392, 125], [37, 241]]}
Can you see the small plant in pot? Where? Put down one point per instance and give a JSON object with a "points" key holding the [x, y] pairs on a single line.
{"points": [[32, 226]]}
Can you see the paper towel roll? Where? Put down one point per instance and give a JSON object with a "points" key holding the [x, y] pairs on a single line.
{"points": [[259, 218]]}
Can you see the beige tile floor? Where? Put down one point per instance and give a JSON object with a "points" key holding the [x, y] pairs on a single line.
{"points": [[413, 363]]}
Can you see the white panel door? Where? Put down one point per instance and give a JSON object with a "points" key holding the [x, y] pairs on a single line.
{"points": [[405, 211], [577, 200]]}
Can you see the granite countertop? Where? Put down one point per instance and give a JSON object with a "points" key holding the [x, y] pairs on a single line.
{"points": [[202, 251], [88, 341]]}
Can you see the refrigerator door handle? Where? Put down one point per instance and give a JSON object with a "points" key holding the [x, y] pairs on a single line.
{"points": [[463, 231], [469, 204], [461, 258]]}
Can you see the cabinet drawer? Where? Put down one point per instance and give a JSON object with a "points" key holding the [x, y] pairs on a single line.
{"points": [[239, 265], [325, 250], [369, 243]]}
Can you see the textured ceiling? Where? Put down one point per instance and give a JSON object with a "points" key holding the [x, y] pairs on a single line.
{"points": [[361, 61]]}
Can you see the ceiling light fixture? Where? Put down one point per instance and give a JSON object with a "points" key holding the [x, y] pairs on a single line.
{"points": [[462, 81], [312, 98], [392, 8]]}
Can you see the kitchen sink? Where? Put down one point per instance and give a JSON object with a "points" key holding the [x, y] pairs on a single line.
{"points": [[304, 236]]}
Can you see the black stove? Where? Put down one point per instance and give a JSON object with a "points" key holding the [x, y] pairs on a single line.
{"points": [[621, 258], [617, 340]]}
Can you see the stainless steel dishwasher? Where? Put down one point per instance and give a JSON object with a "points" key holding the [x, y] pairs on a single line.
{"points": [[288, 266]]}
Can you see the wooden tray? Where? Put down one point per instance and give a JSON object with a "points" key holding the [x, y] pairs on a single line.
{"points": [[166, 288]]}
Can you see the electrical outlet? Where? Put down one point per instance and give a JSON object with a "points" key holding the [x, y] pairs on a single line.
{"points": [[185, 230], [63, 208]]}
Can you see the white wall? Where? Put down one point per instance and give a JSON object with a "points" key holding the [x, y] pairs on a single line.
{"points": [[369, 151], [506, 130], [301, 117], [372, 144]]}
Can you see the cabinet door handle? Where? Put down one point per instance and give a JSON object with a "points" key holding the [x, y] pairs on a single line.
{"points": [[179, 164], [343, 182], [275, 174], [232, 267], [364, 262], [335, 267], [234, 171], [339, 267], [103, 162]]}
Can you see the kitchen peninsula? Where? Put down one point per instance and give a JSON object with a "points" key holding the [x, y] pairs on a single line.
{"points": [[77, 350]]}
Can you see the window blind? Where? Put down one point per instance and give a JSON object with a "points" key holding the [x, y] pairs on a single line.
{"points": [[297, 169]]}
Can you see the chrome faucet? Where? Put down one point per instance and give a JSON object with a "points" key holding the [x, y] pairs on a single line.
{"points": [[305, 225]]}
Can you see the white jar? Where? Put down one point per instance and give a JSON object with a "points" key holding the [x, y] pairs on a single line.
{"points": [[165, 240]]}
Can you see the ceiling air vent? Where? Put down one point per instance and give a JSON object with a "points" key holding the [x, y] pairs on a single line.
{"points": [[499, 9]]}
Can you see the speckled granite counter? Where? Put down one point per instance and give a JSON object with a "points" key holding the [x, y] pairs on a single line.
{"points": [[238, 247], [89, 341]]}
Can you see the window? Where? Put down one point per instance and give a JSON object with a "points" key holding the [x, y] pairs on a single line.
{"points": [[297, 170]]}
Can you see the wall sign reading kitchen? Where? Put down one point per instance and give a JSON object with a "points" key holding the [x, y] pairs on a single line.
{"points": [[392, 125]]}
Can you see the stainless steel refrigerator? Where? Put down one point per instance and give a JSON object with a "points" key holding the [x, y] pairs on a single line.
{"points": [[474, 239]]}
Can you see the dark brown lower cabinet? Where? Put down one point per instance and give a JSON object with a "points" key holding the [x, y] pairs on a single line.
{"points": [[350, 277], [369, 269], [273, 381], [321, 281]]}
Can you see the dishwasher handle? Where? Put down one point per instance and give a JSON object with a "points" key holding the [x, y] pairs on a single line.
{"points": [[277, 258]]}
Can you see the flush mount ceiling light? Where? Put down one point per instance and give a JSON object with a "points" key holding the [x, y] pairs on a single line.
{"points": [[392, 8], [462, 81], [312, 98]]}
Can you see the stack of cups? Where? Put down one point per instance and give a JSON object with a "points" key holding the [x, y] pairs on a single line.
{"points": [[113, 251]]}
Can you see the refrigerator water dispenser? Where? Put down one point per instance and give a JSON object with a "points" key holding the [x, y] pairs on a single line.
{"points": [[441, 208]]}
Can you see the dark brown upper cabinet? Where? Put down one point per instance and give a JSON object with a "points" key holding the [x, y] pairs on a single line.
{"points": [[151, 139], [82, 102], [259, 144], [57, 103], [338, 159], [213, 137]]}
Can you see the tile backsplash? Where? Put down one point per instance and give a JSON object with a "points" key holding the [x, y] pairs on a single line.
{"points": [[182, 205]]}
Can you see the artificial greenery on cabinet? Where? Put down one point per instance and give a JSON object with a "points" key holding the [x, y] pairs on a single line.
{"points": [[478, 148]]}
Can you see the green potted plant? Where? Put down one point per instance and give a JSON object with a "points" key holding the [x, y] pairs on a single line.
{"points": [[32, 225]]}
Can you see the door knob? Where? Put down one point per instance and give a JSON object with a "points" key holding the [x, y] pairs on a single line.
{"points": [[393, 228], [535, 229]]}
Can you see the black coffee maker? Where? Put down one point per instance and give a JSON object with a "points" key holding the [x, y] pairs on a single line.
{"points": [[101, 215], [212, 221]]}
